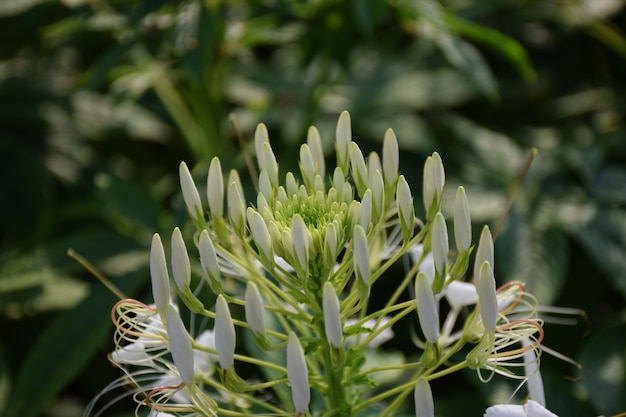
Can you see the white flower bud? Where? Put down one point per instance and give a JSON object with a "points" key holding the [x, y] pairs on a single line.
{"points": [[378, 196], [440, 245], [225, 337], [260, 137], [347, 196], [342, 141], [180, 345], [365, 211], [265, 185], [181, 267], [331, 247], [159, 275], [434, 180], [267, 162], [361, 255], [531, 369], [300, 239], [484, 253], [427, 310], [406, 211], [424, 404], [298, 375], [215, 188], [462, 221], [373, 165], [318, 185], [236, 208], [358, 168], [332, 317], [317, 151], [339, 179], [487, 299], [260, 234], [391, 157], [208, 258], [255, 313], [307, 165], [291, 184], [190, 193]]}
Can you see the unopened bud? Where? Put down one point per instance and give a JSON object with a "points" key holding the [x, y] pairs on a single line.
{"points": [[484, 252], [391, 157], [427, 310], [180, 345], [406, 211], [215, 188], [159, 275], [317, 151], [332, 317], [236, 208], [190, 193], [434, 180], [440, 245], [342, 141], [361, 256], [260, 235], [487, 299], [181, 267], [298, 375], [225, 337], [358, 168], [255, 313], [208, 260]]}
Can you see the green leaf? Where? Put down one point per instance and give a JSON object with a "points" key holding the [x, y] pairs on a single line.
{"points": [[64, 348], [603, 361]]}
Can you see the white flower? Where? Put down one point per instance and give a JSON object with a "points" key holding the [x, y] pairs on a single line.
{"points": [[530, 409]]}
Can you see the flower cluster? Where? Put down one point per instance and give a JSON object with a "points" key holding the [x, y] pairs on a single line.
{"points": [[290, 278]]}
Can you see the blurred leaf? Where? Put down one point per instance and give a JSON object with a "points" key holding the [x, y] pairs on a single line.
{"points": [[5, 380], [499, 42], [537, 257], [604, 237], [603, 361], [64, 348]]}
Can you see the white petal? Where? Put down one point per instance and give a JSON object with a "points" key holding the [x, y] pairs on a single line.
{"points": [[534, 409], [460, 294], [424, 404], [505, 410]]}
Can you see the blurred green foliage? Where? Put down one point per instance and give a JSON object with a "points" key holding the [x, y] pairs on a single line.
{"points": [[100, 101]]}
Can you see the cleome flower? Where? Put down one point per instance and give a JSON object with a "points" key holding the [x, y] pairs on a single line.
{"points": [[285, 288]]}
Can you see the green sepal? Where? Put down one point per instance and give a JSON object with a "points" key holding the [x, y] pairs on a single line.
{"points": [[190, 300], [232, 381], [460, 266]]}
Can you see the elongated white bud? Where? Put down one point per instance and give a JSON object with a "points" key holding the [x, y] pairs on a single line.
{"points": [[373, 165], [365, 211], [462, 221], [215, 188], [424, 403], [190, 193], [298, 375], [307, 165], [342, 141], [208, 257], [434, 180], [361, 255], [358, 168], [406, 211], [317, 151], [427, 311], [158, 273], [267, 162], [225, 337], [332, 317], [181, 268], [261, 136], [487, 300], [236, 208], [180, 345], [339, 179], [291, 185], [378, 196], [440, 243], [255, 313], [331, 248], [300, 239], [265, 185], [260, 234], [391, 158], [484, 252]]}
